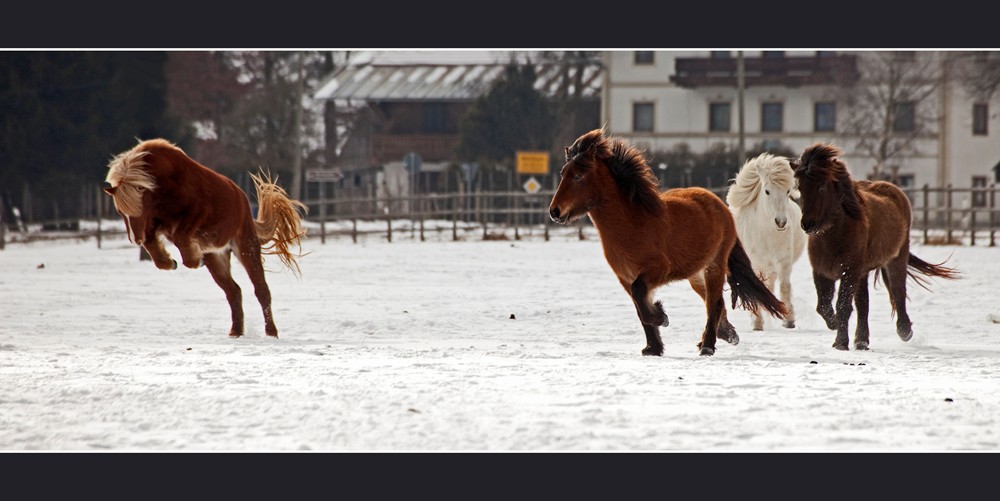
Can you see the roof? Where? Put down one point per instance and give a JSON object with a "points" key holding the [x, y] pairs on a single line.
{"points": [[441, 75]]}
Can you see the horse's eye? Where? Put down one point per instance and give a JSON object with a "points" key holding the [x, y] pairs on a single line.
{"points": [[578, 177]]}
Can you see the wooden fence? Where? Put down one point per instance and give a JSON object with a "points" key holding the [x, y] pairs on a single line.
{"points": [[945, 215]]}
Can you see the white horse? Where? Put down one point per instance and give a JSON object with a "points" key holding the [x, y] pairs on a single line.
{"points": [[767, 221]]}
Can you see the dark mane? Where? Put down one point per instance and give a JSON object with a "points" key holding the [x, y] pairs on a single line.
{"points": [[627, 164], [820, 162]]}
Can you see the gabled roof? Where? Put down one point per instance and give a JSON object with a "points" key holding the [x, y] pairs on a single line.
{"points": [[442, 75]]}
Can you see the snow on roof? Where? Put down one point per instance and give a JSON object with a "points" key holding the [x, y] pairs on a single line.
{"points": [[440, 75]]}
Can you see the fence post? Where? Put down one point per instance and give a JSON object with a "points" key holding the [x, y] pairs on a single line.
{"points": [[322, 213], [515, 204], [3, 227], [992, 214], [454, 217], [354, 229], [927, 201], [420, 214], [972, 226], [947, 214], [97, 210]]}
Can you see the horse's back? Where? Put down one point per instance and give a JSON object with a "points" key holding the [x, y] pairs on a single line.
{"points": [[889, 213], [191, 195], [699, 215]]}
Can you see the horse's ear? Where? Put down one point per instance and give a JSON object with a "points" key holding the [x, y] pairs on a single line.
{"points": [[848, 197], [110, 190], [567, 153]]}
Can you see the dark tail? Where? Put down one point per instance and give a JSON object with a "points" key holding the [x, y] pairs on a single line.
{"points": [[916, 265], [748, 288]]}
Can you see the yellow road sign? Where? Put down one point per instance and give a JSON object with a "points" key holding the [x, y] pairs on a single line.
{"points": [[532, 162]]}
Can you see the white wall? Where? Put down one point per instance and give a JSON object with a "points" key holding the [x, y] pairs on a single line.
{"points": [[682, 115]]}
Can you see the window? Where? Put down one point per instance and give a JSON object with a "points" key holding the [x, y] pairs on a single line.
{"points": [[770, 117], [825, 53], [642, 117], [720, 54], [825, 117], [718, 120], [643, 57], [980, 117], [433, 117], [979, 197], [772, 53], [905, 119]]}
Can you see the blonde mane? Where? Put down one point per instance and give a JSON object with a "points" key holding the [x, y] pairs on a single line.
{"points": [[775, 169], [127, 174]]}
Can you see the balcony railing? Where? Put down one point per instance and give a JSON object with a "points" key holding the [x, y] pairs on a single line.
{"points": [[792, 71], [430, 147]]}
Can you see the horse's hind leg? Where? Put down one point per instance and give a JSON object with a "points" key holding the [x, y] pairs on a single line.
{"points": [[726, 331], [651, 315], [218, 265], [758, 316], [249, 255], [861, 303], [895, 279]]}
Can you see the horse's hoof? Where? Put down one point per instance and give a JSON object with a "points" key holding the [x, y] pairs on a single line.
{"points": [[790, 324], [653, 351], [861, 345], [842, 346], [707, 351], [234, 335], [174, 266], [905, 333], [728, 334]]}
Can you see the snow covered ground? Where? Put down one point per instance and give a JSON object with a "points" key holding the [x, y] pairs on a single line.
{"points": [[475, 345]]}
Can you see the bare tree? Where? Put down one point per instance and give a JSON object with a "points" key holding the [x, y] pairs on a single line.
{"points": [[979, 73], [891, 107]]}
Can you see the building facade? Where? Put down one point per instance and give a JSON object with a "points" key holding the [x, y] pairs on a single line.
{"points": [[937, 132]]}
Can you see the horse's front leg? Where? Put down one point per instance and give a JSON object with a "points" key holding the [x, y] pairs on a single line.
{"points": [[651, 315], [845, 298], [786, 296], [861, 303], [191, 253], [824, 299], [157, 252]]}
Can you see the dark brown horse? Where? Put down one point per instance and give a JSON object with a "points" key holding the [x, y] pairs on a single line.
{"points": [[856, 227], [160, 191], [652, 238]]}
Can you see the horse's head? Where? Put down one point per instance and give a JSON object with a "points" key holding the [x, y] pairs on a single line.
{"points": [[128, 183], [767, 180], [826, 188], [578, 188]]}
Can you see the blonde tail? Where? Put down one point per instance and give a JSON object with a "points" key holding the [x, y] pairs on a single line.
{"points": [[278, 223]]}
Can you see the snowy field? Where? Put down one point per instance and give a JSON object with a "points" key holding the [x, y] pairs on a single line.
{"points": [[496, 345]]}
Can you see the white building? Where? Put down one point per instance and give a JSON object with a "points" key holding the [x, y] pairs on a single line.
{"points": [[658, 99]]}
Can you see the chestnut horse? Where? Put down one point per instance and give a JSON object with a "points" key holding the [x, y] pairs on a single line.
{"points": [[854, 228], [652, 238], [161, 192]]}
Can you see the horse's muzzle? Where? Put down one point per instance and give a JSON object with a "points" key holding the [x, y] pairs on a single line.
{"points": [[555, 216]]}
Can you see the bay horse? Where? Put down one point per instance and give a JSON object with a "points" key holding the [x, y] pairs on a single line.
{"points": [[162, 192], [767, 221], [652, 238], [856, 227]]}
